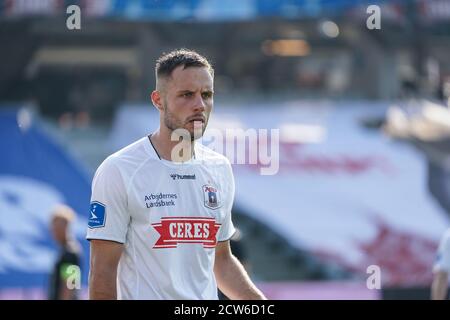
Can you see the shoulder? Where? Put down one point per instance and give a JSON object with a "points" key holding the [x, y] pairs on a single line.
{"points": [[215, 162], [125, 159], [210, 156], [132, 153]]}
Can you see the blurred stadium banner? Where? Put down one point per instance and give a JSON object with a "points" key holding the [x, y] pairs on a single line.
{"points": [[345, 191], [35, 175], [219, 10]]}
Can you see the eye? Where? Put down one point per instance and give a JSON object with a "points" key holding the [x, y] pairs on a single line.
{"points": [[207, 95], [188, 94]]}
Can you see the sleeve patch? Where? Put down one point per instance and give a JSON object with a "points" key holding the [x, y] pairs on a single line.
{"points": [[97, 215]]}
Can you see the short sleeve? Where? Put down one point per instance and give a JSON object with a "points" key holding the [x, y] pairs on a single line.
{"points": [[443, 254], [109, 216], [227, 228]]}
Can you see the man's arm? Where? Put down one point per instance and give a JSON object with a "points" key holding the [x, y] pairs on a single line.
{"points": [[440, 285], [232, 279], [104, 259]]}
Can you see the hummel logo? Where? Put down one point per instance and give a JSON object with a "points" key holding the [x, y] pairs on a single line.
{"points": [[175, 176]]}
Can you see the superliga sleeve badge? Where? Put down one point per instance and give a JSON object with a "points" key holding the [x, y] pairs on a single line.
{"points": [[97, 215]]}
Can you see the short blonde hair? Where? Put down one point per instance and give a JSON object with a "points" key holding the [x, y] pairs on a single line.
{"points": [[63, 211]]}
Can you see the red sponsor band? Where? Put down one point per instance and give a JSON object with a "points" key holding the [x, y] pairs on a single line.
{"points": [[174, 230]]}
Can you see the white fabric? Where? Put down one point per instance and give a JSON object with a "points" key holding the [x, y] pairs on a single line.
{"points": [[141, 194], [443, 254]]}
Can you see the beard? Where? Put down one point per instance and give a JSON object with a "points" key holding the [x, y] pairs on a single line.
{"points": [[173, 123]]}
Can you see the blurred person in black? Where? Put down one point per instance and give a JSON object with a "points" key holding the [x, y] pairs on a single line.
{"points": [[67, 266]]}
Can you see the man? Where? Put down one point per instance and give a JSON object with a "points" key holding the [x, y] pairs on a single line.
{"points": [[441, 269], [161, 208], [68, 263]]}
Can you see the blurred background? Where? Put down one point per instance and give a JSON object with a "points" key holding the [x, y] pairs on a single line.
{"points": [[364, 120]]}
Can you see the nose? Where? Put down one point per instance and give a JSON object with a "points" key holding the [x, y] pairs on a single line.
{"points": [[199, 104]]}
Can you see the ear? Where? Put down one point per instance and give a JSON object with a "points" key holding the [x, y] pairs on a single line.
{"points": [[157, 100]]}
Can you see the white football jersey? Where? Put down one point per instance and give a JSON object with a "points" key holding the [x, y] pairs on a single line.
{"points": [[443, 255], [168, 215]]}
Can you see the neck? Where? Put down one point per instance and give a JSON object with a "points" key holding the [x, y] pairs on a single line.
{"points": [[177, 151]]}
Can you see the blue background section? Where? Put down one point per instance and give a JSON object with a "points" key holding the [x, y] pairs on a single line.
{"points": [[32, 153], [188, 9]]}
